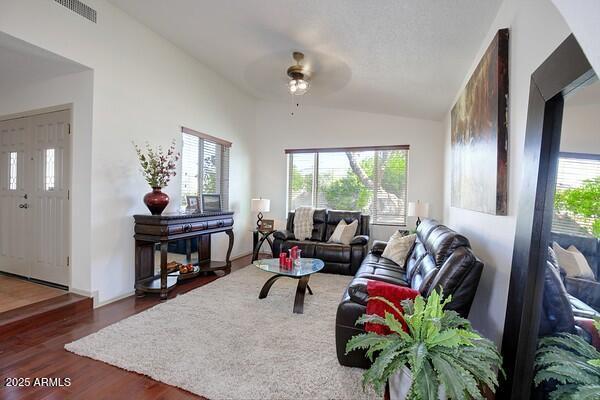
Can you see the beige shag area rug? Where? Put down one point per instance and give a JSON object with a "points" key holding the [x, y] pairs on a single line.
{"points": [[221, 342]]}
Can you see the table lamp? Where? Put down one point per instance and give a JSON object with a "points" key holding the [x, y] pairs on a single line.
{"points": [[260, 205], [418, 209]]}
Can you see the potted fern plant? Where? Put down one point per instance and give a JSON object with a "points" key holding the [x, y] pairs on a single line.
{"points": [[438, 356], [570, 365]]}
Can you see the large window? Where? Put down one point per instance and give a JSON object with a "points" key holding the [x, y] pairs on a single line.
{"points": [[204, 166], [371, 180], [577, 204]]}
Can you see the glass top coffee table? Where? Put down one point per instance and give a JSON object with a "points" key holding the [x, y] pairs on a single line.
{"points": [[302, 272]]}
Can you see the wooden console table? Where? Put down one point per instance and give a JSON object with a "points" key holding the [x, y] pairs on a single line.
{"points": [[153, 229]]}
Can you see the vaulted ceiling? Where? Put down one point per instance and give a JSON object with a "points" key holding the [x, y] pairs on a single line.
{"points": [[400, 57]]}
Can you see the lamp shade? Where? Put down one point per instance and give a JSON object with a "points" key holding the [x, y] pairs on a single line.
{"points": [[261, 205], [418, 209]]}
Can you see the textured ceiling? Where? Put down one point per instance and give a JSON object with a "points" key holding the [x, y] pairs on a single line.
{"points": [[22, 63], [402, 57]]}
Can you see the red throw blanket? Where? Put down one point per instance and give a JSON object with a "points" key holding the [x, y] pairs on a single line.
{"points": [[391, 292], [588, 325]]}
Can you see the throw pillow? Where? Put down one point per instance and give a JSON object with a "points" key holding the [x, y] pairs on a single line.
{"points": [[573, 262], [398, 247], [584, 266], [344, 232]]}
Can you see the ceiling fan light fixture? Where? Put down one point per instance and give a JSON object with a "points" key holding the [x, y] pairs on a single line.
{"points": [[298, 84], [298, 87]]}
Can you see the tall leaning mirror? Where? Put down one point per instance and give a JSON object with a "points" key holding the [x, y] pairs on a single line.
{"points": [[550, 334]]}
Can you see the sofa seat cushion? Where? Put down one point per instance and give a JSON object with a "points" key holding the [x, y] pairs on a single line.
{"points": [[337, 268], [332, 252], [382, 272], [307, 247]]}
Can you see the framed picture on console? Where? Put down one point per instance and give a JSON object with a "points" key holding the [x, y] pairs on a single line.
{"points": [[267, 225], [193, 203], [211, 202]]}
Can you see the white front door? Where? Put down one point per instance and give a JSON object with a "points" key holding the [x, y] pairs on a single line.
{"points": [[36, 231], [15, 183]]}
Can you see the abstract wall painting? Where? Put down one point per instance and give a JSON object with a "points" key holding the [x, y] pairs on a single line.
{"points": [[480, 133]]}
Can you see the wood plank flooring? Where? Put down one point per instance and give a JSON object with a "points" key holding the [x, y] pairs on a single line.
{"points": [[15, 293], [38, 352]]}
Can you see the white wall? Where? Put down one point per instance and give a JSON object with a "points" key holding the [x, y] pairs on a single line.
{"points": [[76, 90], [583, 17], [580, 128], [311, 127], [536, 29], [144, 89]]}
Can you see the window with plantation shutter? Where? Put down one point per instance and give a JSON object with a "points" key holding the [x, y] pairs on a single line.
{"points": [[576, 200], [372, 180], [204, 166]]}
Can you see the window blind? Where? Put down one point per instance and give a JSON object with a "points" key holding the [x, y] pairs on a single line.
{"points": [[574, 170], [372, 181], [204, 167]]}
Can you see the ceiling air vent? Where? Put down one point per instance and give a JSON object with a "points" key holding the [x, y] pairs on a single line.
{"points": [[82, 9]]}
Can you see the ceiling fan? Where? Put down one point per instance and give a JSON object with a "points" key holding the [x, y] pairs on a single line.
{"points": [[299, 76]]}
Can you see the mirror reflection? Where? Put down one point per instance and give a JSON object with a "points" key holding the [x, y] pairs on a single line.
{"points": [[571, 301]]}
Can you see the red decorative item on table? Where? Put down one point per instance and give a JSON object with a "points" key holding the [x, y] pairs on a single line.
{"points": [[282, 257], [294, 252], [393, 293]]}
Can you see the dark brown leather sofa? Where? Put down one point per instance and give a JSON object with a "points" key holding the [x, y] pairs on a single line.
{"points": [[440, 259], [338, 258]]}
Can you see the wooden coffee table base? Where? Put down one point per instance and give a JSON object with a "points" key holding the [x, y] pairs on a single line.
{"points": [[300, 290]]}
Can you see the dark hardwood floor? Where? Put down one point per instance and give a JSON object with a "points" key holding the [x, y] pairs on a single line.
{"points": [[38, 353]]}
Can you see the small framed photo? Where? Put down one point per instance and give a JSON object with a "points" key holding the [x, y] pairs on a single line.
{"points": [[267, 225], [193, 203], [211, 202]]}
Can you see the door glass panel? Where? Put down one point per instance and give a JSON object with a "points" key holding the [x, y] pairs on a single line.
{"points": [[12, 170], [49, 175]]}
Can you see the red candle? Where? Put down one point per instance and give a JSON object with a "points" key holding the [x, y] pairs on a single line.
{"points": [[282, 257]]}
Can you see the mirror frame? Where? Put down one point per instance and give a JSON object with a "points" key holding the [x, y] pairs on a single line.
{"points": [[566, 69]]}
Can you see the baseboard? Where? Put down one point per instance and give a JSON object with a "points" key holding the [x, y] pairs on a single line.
{"points": [[105, 302]]}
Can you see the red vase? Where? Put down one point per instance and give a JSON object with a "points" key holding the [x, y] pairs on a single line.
{"points": [[156, 201]]}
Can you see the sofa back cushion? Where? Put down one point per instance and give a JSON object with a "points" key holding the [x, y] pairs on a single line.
{"points": [[426, 227], [319, 224], [334, 218], [424, 275], [434, 246], [441, 243], [458, 277], [414, 259]]}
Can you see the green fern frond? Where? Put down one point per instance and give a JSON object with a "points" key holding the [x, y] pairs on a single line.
{"points": [[440, 348], [426, 384], [571, 363], [366, 340], [370, 318]]}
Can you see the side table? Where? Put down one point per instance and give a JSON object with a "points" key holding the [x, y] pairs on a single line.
{"points": [[258, 238]]}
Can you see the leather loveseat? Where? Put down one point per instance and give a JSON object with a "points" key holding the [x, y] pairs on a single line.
{"points": [[440, 259], [338, 258]]}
